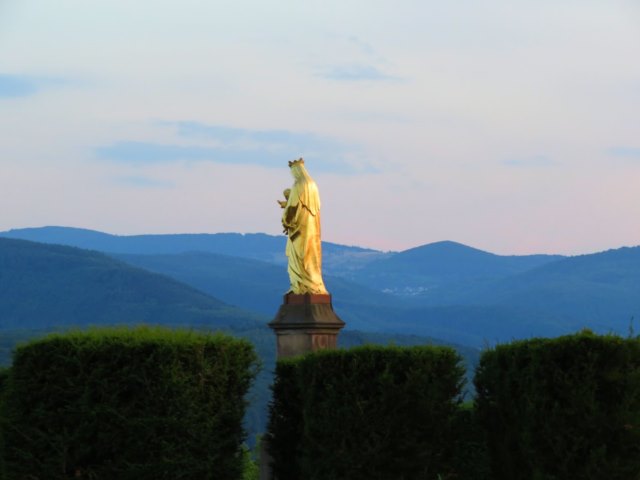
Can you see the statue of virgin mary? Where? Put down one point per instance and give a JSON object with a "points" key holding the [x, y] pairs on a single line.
{"points": [[301, 222]]}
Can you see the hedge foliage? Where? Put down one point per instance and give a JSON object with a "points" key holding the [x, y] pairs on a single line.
{"points": [[4, 375], [564, 408], [143, 403], [470, 457], [369, 412]]}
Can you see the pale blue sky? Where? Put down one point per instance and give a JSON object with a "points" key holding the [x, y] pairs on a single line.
{"points": [[510, 126]]}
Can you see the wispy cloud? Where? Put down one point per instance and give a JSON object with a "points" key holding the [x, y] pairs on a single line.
{"points": [[360, 62], [275, 140], [357, 73], [532, 161], [12, 86], [142, 182], [625, 152], [229, 145], [16, 86], [363, 46], [145, 153]]}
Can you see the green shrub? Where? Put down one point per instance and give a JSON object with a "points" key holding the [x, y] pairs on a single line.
{"points": [[470, 455], [369, 412], [127, 404], [564, 408], [285, 429], [4, 375], [250, 467]]}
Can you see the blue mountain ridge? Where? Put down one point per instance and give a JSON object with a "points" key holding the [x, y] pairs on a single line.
{"points": [[445, 289]]}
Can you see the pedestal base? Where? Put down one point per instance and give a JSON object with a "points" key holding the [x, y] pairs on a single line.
{"points": [[305, 323]]}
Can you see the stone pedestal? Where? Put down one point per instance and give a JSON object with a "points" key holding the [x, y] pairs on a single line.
{"points": [[305, 323]]}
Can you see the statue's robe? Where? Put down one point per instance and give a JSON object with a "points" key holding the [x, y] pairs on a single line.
{"points": [[301, 218]]}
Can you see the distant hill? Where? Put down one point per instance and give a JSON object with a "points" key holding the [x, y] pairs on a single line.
{"points": [[258, 246], [601, 290], [249, 283], [259, 286], [47, 286], [473, 325], [416, 271]]}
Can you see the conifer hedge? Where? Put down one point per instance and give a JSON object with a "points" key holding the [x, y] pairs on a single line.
{"points": [[564, 408], [125, 404], [470, 457], [369, 412], [4, 375]]}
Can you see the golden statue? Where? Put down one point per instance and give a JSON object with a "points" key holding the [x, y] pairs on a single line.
{"points": [[301, 222]]}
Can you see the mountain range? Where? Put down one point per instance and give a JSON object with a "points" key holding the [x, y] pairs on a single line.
{"points": [[418, 271], [258, 246], [441, 290]]}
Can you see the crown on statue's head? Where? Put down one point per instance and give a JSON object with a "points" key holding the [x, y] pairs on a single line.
{"points": [[300, 161]]}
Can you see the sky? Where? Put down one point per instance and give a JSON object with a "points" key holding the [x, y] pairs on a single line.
{"points": [[510, 126]]}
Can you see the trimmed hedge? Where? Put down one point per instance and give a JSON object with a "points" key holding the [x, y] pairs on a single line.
{"points": [[285, 428], [369, 412], [4, 375], [145, 403], [470, 458], [564, 408]]}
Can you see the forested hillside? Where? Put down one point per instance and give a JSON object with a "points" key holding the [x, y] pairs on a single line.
{"points": [[49, 286], [601, 289], [249, 283], [423, 270]]}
